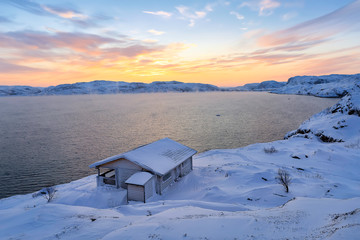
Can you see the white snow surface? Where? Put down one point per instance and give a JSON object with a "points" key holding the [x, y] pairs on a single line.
{"points": [[334, 85], [139, 178], [159, 157], [230, 194], [260, 87]]}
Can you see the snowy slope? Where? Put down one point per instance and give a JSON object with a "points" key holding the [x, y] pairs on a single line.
{"points": [[107, 87], [19, 90], [338, 123], [230, 194], [263, 86], [335, 85]]}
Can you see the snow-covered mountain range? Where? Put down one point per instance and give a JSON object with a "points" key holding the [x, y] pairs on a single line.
{"points": [[334, 85], [107, 87], [230, 194]]}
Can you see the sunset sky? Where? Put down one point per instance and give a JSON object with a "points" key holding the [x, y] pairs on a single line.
{"points": [[225, 43]]}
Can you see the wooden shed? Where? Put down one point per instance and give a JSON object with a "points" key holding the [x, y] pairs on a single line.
{"points": [[166, 159], [140, 186]]}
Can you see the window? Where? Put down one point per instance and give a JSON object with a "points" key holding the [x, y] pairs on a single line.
{"points": [[166, 177]]}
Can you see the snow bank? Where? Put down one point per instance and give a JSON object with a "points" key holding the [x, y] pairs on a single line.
{"points": [[339, 123], [335, 85], [230, 194]]}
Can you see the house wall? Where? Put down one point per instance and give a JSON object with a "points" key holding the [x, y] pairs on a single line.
{"points": [[180, 171], [186, 166], [140, 193], [124, 169], [165, 184], [135, 193], [149, 188]]}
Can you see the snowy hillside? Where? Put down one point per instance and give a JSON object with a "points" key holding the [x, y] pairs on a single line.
{"points": [[335, 85], [230, 194], [107, 87], [263, 86], [19, 90]]}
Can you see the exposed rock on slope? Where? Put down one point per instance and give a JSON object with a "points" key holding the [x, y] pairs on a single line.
{"points": [[335, 85], [332, 124]]}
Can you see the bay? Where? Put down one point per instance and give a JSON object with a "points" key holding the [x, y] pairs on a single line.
{"points": [[50, 140]]}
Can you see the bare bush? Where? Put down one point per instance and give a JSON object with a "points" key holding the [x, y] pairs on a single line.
{"points": [[48, 193], [284, 179], [272, 149]]}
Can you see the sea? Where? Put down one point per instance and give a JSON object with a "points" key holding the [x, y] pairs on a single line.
{"points": [[50, 140]]}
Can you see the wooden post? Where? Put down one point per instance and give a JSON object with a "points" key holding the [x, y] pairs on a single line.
{"points": [[144, 192]]}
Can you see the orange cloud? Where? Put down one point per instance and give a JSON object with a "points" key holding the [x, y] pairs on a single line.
{"points": [[65, 13]]}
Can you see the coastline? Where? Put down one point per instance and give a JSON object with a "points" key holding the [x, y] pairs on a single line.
{"points": [[229, 185]]}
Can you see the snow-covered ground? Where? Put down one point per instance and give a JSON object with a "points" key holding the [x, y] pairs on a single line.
{"points": [[230, 194], [334, 85], [260, 87]]}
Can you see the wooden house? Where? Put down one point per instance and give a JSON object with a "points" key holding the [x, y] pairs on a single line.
{"points": [[143, 170]]}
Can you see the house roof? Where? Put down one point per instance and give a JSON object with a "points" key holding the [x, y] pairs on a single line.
{"points": [[139, 178], [158, 157]]}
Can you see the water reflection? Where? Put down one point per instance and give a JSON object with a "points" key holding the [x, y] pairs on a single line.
{"points": [[52, 139]]}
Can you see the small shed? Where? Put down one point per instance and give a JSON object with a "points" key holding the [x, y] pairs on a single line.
{"points": [[140, 186]]}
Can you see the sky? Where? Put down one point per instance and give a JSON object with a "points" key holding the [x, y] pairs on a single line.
{"points": [[221, 42]]}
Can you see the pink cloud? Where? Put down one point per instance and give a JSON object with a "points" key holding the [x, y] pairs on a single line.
{"points": [[7, 67], [64, 13], [319, 29], [159, 13], [263, 7]]}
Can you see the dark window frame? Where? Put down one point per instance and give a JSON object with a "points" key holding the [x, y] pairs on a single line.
{"points": [[166, 177]]}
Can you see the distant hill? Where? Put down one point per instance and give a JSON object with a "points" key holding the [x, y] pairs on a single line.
{"points": [[335, 85], [107, 87], [260, 87]]}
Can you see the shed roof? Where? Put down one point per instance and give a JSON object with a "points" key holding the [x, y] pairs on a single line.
{"points": [[158, 157], [139, 178]]}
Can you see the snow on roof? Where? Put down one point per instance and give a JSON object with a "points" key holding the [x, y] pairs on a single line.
{"points": [[158, 157], [139, 178]]}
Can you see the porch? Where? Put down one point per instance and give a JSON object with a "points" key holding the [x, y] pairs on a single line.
{"points": [[106, 178]]}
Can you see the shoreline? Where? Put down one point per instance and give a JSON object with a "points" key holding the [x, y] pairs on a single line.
{"points": [[231, 193]]}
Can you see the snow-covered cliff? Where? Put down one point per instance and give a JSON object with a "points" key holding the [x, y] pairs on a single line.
{"points": [[339, 123], [335, 85]]}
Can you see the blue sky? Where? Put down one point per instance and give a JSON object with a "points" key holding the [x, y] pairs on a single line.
{"points": [[226, 43]]}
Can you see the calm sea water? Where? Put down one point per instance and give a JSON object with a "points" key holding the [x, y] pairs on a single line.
{"points": [[50, 140]]}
